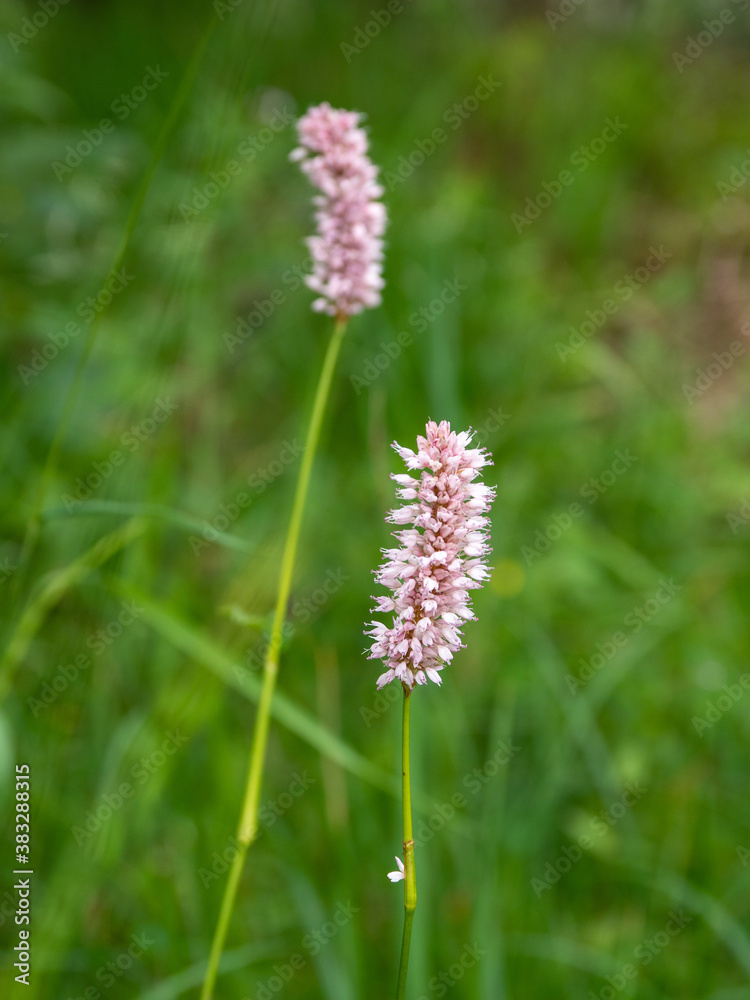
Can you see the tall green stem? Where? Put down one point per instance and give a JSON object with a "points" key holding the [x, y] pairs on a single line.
{"points": [[410, 873], [248, 825]]}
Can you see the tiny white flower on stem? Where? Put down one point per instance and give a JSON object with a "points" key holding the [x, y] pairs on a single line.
{"points": [[399, 875]]}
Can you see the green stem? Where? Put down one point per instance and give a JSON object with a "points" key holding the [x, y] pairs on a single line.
{"points": [[248, 825], [410, 872]]}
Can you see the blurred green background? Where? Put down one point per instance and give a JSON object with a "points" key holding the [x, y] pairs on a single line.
{"points": [[581, 800]]}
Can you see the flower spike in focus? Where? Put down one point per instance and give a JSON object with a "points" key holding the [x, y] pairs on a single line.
{"points": [[439, 560]]}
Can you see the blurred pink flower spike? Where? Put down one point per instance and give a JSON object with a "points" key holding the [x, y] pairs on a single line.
{"points": [[347, 250]]}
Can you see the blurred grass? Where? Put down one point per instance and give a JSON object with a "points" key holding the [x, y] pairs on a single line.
{"points": [[154, 867]]}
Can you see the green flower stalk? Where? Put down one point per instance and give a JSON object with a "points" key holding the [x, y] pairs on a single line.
{"points": [[347, 253], [440, 558], [407, 871]]}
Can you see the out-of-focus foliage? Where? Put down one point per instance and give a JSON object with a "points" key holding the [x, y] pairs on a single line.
{"points": [[566, 273]]}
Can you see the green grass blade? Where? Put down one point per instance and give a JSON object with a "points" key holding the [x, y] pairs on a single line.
{"points": [[52, 589], [204, 651], [232, 961], [155, 510], [727, 929]]}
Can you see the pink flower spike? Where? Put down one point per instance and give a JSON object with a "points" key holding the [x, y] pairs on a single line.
{"points": [[347, 250], [440, 559]]}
